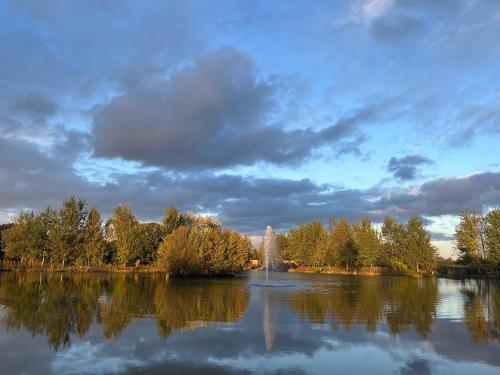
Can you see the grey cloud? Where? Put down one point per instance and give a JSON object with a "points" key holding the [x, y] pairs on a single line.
{"points": [[396, 26], [405, 168], [35, 105], [216, 113], [445, 196]]}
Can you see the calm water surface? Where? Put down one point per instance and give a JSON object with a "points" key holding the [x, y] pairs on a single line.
{"points": [[298, 324]]}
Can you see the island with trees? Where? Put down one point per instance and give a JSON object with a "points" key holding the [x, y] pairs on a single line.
{"points": [[74, 237]]}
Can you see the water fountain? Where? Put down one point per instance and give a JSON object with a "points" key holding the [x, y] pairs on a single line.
{"points": [[272, 259]]}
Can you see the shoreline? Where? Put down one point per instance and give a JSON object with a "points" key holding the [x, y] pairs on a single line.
{"points": [[444, 272]]}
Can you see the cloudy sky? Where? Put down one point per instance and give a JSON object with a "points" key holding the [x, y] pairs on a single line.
{"points": [[259, 112]]}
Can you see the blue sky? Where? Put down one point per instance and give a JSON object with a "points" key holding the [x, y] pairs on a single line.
{"points": [[259, 112]]}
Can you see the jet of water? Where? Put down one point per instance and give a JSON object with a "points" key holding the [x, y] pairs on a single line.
{"points": [[272, 258]]}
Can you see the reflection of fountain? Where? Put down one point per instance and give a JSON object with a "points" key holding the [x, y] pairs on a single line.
{"points": [[272, 259], [268, 324]]}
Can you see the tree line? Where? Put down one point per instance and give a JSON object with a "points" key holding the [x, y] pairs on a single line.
{"points": [[341, 244], [478, 239], [182, 244]]}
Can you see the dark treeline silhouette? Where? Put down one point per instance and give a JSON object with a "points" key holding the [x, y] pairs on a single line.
{"points": [[478, 239], [397, 246], [58, 306], [183, 244]]}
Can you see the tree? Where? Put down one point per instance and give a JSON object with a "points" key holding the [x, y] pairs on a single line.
{"points": [[492, 234], [419, 251], [342, 239], [150, 236], [469, 238], [366, 242], [3, 228], [27, 238], [282, 244], [122, 229], [94, 245], [394, 243], [172, 220], [179, 254], [66, 234], [303, 242]]}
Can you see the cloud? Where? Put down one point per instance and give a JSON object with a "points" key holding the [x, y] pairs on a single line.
{"points": [[405, 168], [216, 113], [446, 196]]}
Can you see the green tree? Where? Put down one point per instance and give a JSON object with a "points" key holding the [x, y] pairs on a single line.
{"points": [[122, 230], [366, 242], [150, 236], [94, 245], [66, 234], [492, 236], [469, 238], [419, 251], [172, 219], [179, 253], [342, 245], [282, 244], [393, 243], [303, 242], [3, 228], [27, 239]]}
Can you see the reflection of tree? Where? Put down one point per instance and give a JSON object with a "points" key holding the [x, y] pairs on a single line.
{"points": [[49, 305], [403, 302], [58, 306], [184, 305], [482, 310]]}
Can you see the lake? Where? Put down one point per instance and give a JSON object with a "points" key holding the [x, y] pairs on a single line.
{"points": [[293, 323]]}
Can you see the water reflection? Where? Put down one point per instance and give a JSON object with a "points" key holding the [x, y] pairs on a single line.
{"points": [[482, 310], [401, 302], [56, 306], [299, 323]]}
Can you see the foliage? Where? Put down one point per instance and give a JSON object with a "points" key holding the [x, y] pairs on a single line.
{"points": [[3, 228], [94, 245], [469, 238], [67, 230], [366, 242], [197, 251], [398, 246], [123, 230], [492, 236]]}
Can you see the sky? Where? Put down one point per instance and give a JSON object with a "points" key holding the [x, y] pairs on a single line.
{"points": [[256, 112]]}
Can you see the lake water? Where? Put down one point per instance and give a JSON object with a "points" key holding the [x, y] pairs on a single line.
{"points": [[296, 323]]}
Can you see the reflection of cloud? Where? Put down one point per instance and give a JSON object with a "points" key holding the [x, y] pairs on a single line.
{"points": [[86, 358]]}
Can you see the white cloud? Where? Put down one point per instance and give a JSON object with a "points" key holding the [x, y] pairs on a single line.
{"points": [[86, 358], [367, 10]]}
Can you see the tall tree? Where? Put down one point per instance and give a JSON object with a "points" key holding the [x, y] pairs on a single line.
{"points": [[27, 239], [419, 251], [94, 246], [66, 234], [3, 228], [150, 236], [343, 240], [469, 238], [303, 242], [172, 219], [492, 234], [394, 243], [366, 242], [123, 231]]}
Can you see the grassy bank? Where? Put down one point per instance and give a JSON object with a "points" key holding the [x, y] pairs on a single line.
{"points": [[365, 271]]}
